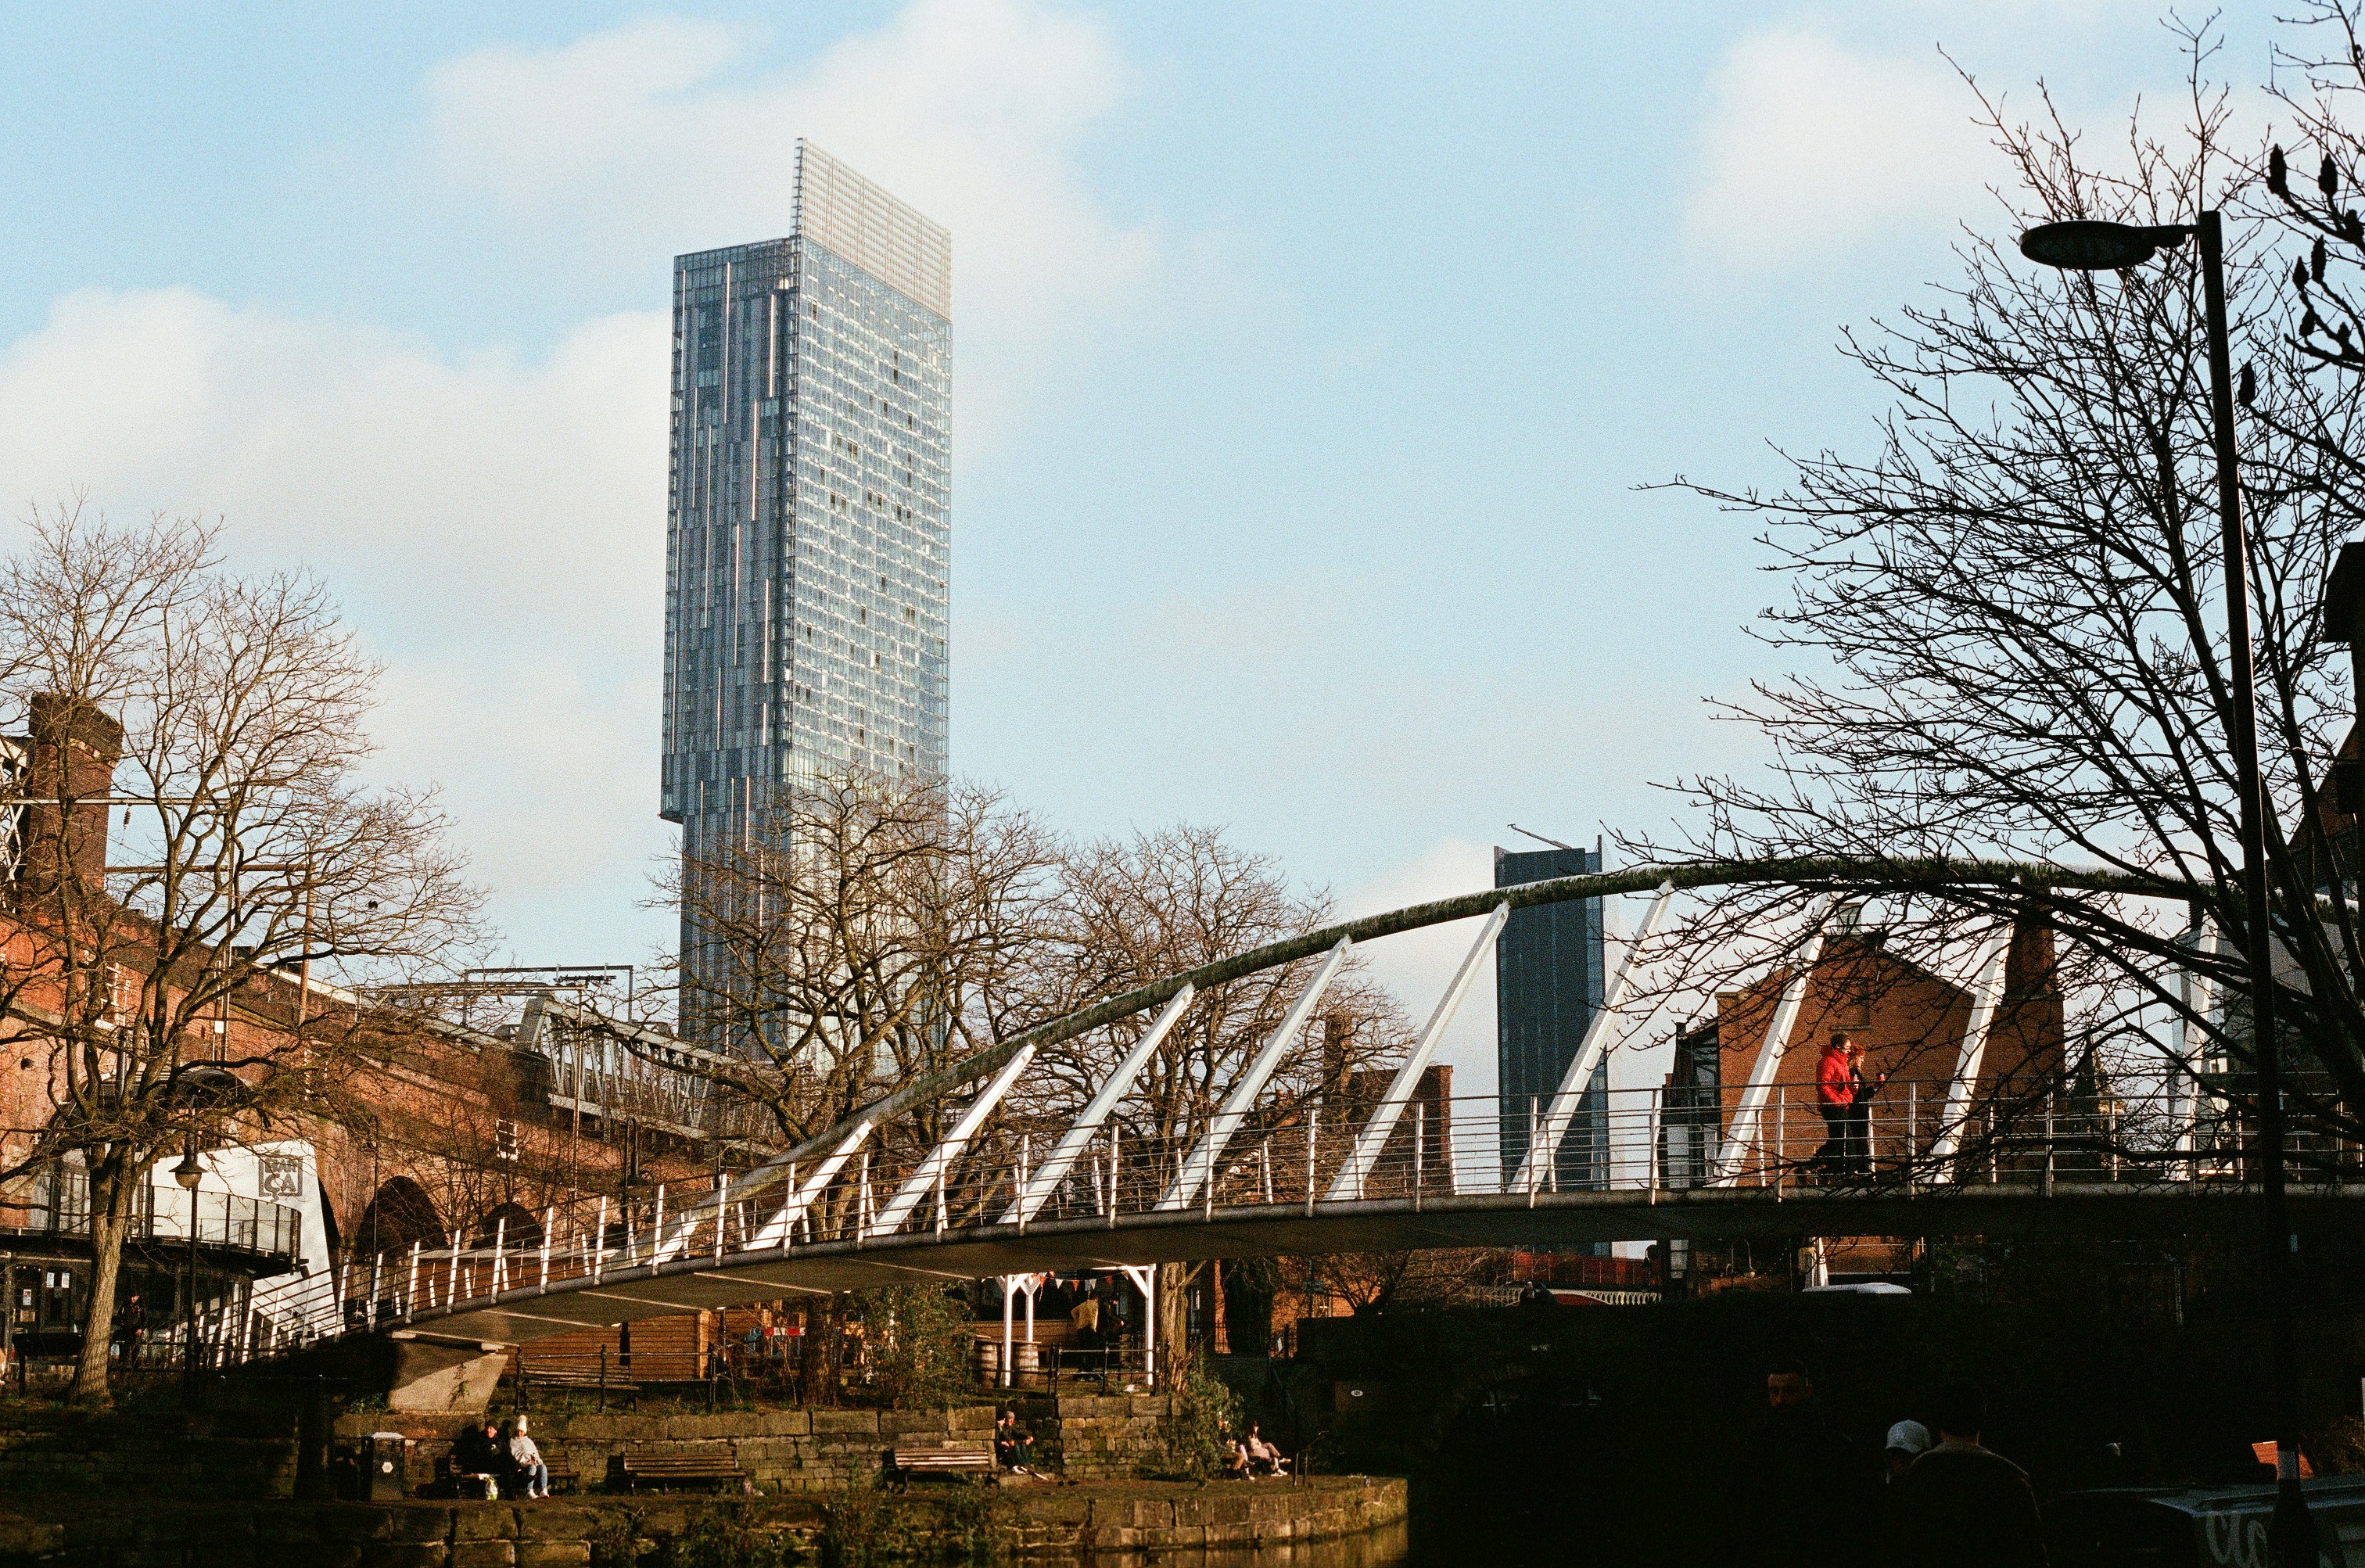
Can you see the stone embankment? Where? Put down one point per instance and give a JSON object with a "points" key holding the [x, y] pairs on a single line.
{"points": [[1044, 1522], [238, 1454], [1082, 1438]]}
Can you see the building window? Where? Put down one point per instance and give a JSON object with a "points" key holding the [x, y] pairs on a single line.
{"points": [[506, 1140]]}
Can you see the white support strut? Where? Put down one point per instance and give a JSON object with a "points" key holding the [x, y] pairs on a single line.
{"points": [[1599, 1036], [2192, 1026], [1375, 1137], [940, 1159], [1200, 1167], [776, 1229], [1986, 996], [1752, 1109], [1079, 1135]]}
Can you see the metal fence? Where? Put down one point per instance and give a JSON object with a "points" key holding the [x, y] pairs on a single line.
{"points": [[60, 1208]]}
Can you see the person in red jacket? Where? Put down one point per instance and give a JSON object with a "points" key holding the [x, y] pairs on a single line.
{"points": [[1834, 1094]]}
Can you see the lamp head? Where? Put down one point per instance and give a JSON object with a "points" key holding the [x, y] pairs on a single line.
{"points": [[188, 1173], [2344, 598], [2091, 245]]}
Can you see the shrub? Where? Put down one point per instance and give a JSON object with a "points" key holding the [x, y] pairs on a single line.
{"points": [[1192, 1439], [917, 1339]]}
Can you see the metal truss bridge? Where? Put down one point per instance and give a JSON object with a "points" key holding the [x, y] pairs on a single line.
{"points": [[1948, 1156]]}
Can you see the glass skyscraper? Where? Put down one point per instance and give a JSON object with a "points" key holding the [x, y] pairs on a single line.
{"points": [[808, 532], [1548, 986]]}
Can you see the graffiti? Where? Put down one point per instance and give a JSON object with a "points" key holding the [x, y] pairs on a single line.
{"points": [[2237, 1541]]}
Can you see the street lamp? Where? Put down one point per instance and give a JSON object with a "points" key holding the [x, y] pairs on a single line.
{"points": [[2089, 246], [2344, 621], [188, 1173]]}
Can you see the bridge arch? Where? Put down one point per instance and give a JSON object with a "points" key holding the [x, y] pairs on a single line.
{"points": [[399, 1213], [512, 1224]]}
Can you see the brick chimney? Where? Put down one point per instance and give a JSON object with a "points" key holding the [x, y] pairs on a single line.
{"points": [[70, 756]]}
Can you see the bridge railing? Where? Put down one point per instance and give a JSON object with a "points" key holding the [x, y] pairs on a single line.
{"points": [[1309, 1155]]}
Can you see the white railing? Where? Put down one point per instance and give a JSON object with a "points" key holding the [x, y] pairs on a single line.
{"points": [[1643, 1147]]}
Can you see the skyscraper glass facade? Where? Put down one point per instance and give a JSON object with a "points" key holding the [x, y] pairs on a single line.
{"points": [[808, 540], [1548, 980]]}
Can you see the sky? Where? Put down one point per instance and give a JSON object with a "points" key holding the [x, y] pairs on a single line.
{"points": [[1309, 365]]}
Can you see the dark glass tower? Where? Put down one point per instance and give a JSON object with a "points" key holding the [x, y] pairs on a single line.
{"points": [[808, 530], [1547, 980]]}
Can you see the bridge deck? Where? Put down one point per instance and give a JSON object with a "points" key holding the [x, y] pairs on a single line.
{"points": [[2112, 1209]]}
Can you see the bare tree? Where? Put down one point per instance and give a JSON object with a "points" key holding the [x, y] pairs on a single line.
{"points": [[172, 994], [869, 931], [1372, 1282], [2017, 599], [2321, 80], [866, 931], [1158, 904]]}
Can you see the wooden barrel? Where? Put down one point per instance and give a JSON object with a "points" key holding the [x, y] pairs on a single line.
{"points": [[1025, 1361], [987, 1359]]}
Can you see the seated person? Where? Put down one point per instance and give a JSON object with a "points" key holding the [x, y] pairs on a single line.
{"points": [[525, 1456], [1263, 1457], [481, 1453], [1013, 1447]]}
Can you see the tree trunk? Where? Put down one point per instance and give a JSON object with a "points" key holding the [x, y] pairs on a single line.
{"points": [[112, 1188], [1174, 1337]]}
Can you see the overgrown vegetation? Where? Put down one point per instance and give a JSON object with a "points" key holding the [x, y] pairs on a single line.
{"points": [[917, 1346], [1193, 1438], [864, 1526]]}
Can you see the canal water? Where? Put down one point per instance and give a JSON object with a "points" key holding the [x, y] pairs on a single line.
{"points": [[1522, 1479]]}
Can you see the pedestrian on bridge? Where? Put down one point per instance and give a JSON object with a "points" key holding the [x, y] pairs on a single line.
{"points": [[1834, 1094], [1859, 1109]]}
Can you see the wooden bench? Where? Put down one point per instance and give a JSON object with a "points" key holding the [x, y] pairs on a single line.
{"points": [[476, 1483], [465, 1482], [715, 1467], [941, 1459], [562, 1472]]}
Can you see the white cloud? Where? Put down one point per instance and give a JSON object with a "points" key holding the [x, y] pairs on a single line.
{"points": [[626, 147], [495, 522], [495, 527], [1809, 149]]}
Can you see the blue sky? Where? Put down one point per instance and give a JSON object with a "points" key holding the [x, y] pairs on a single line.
{"points": [[1308, 360]]}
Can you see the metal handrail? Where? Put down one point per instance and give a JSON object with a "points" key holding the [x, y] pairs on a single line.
{"points": [[1440, 1151]]}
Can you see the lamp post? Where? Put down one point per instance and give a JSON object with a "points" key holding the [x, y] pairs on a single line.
{"points": [[188, 1173], [2089, 246]]}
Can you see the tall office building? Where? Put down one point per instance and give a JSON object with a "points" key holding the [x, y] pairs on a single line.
{"points": [[1547, 980], [808, 530]]}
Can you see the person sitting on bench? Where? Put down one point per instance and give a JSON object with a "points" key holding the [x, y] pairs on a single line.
{"points": [[1012, 1446], [1236, 1452], [1263, 1457], [481, 1456], [526, 1455]]}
